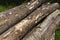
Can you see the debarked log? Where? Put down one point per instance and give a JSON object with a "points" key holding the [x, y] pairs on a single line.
{"points": [[19, 30], [13, 16], [48, 34], [44, 30]]}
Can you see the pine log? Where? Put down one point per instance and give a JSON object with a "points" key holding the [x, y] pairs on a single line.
{"points": [[22, 27], [44, 30], [13, 16]]}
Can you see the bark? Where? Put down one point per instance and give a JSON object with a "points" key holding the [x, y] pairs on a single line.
{"points": [[44, 30], [13, 16], [53, 37], [20, 29]]}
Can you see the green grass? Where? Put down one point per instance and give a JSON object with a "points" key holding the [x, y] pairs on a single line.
{"points": [[57, 37], [3, 8], [7, 4]]}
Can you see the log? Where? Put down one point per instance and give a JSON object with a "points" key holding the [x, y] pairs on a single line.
{"points": [[48, 34], [20, 29], [44, 30], [14, 15]]}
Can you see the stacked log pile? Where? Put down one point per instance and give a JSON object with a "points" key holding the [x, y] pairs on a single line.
{"points": [[28, 22], [45, 29], [13, 16]]}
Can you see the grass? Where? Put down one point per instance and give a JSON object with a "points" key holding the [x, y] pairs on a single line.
{"points": [[7, 4], [57, 37], [6, 7], [3, 8]]}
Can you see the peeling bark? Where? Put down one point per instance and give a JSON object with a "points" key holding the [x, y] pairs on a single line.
{"points": [[22, 27], [44, 30], [13, 16]]}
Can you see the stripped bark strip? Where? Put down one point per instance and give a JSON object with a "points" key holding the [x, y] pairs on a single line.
{"points": [[44, 30], [22, 27], [12, 16]]}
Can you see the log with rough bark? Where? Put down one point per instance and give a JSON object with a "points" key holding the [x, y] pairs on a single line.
{"points": [[20, 29], [44, 30], [13, 16]]}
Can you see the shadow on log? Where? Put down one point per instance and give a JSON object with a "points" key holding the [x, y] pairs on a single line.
{"points": [[45, 30], [22, 27], [13, 16]]}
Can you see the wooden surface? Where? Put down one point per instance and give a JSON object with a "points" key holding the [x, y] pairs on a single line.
{"points": [[44, 30], [22, 27]]}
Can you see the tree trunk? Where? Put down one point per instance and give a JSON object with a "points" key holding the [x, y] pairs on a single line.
{"points": [[51, 29], [44, 30], [13, 16], [22, 27]]}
